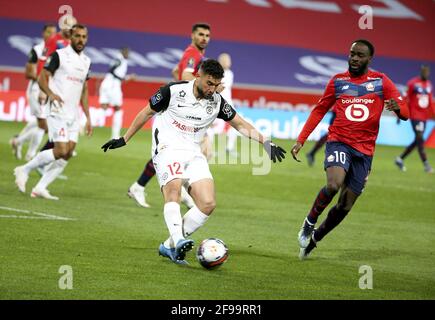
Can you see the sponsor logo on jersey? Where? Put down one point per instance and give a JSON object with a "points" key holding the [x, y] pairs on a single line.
{"points": [[193, 118], [209, 110], [357, 112], [183, 127], [182, 93], [331, 158], [357, 100], [345, 87]]}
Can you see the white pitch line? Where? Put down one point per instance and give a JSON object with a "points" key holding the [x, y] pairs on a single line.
{"points": [[24, 217], [39, 214]]}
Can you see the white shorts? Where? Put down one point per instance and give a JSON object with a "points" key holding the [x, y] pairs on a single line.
{"points": [[110, 92], [36, 109], [63, 130], [179, 164]]}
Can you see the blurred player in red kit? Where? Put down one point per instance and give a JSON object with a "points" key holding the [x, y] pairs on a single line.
{"points": [[421, 108]]}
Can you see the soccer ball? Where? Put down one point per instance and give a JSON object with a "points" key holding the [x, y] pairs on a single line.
{"points": [[212, 253]]}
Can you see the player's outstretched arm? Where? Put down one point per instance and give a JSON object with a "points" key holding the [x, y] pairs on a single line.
{"points": [[245, 128], [138, 122]]}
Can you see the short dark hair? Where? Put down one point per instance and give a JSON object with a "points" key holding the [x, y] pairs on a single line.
{"points": [[78, 26], [200, 25], [368, 44], [212, 67], [48, 25]]}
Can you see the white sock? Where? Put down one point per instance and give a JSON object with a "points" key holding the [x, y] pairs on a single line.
{"points": [[193, 220], [24, 136], [186, 198], [117, 124], [174, 222], [42, 158], [51, 173], [32, 123], [169, 243], [38, 135]]}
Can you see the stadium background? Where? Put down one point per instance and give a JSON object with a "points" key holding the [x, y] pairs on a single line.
{"points": [[283, 52]]}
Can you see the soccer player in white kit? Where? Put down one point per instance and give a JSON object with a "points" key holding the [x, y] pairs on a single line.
{"points": [[184, 111], [111, 91], [64, 80], [32, 132]]}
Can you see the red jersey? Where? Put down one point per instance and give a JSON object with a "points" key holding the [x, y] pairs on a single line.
{"points": [[358, 103], [419, 96], [56, 41], [190, 61]]}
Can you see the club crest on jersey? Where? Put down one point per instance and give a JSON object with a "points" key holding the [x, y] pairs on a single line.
{"points": [[156, 98], [191, 63], [370, 87]]}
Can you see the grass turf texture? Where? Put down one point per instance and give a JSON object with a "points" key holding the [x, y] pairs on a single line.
{"points": [[112, 244]]}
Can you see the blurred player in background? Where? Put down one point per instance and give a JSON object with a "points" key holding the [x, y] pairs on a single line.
{"points": [[421, 108], [64, 81], [359, 97], [186, 70], [56, 41], [226, 92], [319, 144], [33, 132], [111, 91], [177, 156]]}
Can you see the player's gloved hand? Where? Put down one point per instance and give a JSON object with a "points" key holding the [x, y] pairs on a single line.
{"points": [[113, 144], [275, 152]]}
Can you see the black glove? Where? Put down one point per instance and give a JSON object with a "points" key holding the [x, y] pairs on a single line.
{"points": [[275, 152], [113, 144]]}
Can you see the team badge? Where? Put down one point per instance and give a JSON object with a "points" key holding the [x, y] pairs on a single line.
{"points": [[370, 87], [191, 63]]}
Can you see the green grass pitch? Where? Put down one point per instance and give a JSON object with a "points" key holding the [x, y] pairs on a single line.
{"points": [[112, 244]]}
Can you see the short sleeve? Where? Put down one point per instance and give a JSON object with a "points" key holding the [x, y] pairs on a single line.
{"points": [[52, 63], [88, 75], [160, 100], [33, 57], [226, 111]]}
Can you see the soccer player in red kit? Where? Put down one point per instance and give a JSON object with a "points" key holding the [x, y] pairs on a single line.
{"points": [[421, 108], [359, 96], [186, 70]]}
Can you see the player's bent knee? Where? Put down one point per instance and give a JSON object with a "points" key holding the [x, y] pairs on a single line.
{"points": [[333, 187], [207, 207]]}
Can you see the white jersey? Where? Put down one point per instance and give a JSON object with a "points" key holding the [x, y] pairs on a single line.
{"points": [[70, 71], [227, 82], [118, 70], [183, 120], [34, 55]]}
